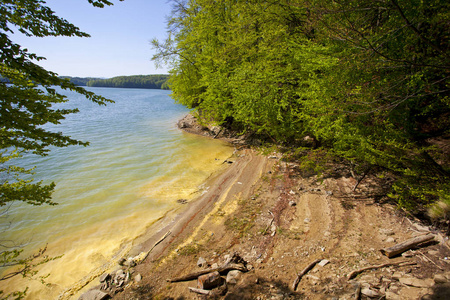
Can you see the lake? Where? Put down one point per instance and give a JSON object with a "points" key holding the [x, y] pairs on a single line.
{"points": [[137, 166]]}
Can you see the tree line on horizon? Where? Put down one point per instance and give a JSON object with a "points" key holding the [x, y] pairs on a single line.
{"points": [[158, 81], [366, 79]]}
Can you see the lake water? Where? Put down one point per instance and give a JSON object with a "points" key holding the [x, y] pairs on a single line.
{"points": [[137, 166]]}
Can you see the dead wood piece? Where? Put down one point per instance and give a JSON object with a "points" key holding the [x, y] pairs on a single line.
{"points": [[353, 274], [358, 291], [302, 273], [270, 224], [360, 179], [223, 269], [200, 291], [209, 281], [428, 259], [406, 245], [156, 244]]}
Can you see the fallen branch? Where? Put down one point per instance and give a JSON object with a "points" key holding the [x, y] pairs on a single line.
{"points": [[353, 274], [156, 244], [428, 259], [302, 273], [270, 224], [360, 179], [200, 291], [358, 291], [404, 246], [223, 269]]}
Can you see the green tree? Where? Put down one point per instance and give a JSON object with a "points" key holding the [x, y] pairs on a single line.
{"points": [[389, 95], [26, 103], [367, 79], [134, 81]]}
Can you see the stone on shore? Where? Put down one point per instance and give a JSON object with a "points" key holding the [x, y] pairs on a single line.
{"points": [[209, 281], [94, 295]]}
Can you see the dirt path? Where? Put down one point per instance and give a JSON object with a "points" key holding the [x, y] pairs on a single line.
{"points": [[280, 222]]}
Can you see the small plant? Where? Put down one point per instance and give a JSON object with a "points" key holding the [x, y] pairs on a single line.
{"points": [[190, 249]]}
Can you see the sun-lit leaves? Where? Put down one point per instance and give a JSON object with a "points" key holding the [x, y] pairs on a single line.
{"points": [[368, 80]]}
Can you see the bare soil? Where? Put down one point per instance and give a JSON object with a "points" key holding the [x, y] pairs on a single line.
{"points": [[279, 221]]}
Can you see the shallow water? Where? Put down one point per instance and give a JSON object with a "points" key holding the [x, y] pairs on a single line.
{"points": [[136, 167]]}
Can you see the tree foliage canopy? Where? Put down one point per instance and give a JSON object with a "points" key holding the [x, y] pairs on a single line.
{"points": [[368, 79], [27, 98], [24, 107]]}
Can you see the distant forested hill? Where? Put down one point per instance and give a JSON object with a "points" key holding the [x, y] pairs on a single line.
{"points": [[81, 81], [136, 81]]}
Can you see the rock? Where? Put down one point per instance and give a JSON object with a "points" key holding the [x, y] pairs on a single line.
{"points": [[130, 262], [292, 203], [119, 277], [391, 296], [433, 252], [408, 254], [421, 228], [105, 277], [387, 232], [390, 240], [323, 262], [233, 276], [209, 281], [201, 262], [214, 266], [415, 282], [306, 220], [369, 293], [94, 295], [122, 261], [440, 278], [138, 278]]}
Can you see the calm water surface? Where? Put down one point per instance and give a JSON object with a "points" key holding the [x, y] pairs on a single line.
{"points": [[136, 167]]}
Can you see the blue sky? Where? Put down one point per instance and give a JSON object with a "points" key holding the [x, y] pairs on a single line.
{"points": [[119, 42]]}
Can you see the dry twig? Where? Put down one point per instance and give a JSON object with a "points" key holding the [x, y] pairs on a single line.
{"points": [[302, 273], [354, 273]]}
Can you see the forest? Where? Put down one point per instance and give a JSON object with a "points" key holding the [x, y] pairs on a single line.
{"points": [[79, 81], [367, 80], [135, 81]]}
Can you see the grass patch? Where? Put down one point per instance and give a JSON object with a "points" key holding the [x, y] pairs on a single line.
{"points": [[243, 220], [190, 249]]}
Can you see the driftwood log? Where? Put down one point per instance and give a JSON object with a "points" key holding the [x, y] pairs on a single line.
{"points": [[353, 274], [223, 269], [406, 245], [302, 273], [200, 291]]}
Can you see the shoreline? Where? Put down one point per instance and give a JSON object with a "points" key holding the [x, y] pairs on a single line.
{"points": [[278, 221], [174, 224]]}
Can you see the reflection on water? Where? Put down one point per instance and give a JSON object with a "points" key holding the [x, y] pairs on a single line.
{"points": [[136, 167]]}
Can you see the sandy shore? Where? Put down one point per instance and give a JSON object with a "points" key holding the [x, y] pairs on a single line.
{"points": [[239, 173]]}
